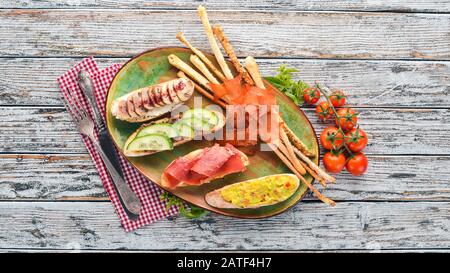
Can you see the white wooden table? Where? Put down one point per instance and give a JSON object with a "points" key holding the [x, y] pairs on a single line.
{"points": [[392, 57]]}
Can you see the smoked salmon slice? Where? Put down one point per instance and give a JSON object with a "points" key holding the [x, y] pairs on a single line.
{"points": [[219, 90], [240, 93]]}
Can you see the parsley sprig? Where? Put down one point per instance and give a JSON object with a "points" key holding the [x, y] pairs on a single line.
{"points": [[186, 210], [284, 82]]}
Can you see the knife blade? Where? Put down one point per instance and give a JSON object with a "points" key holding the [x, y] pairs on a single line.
{"points": [[106, 143], [85, 83]]}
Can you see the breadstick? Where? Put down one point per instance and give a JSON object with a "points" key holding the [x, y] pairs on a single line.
{"points": [[220, 35], [304, 165], [314, 174], [202, 56], [296, 141], [201, 66], [287, 148], [201, 90], [195, 60], [252, 68], [290, 153], [316, 168], [303, 155], [284, 150], [212, 42], [311, 187], [178, 63]]}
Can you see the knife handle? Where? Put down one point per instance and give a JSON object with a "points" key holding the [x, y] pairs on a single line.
{"points": [[86, 85], [128, 198], [105, 147]]}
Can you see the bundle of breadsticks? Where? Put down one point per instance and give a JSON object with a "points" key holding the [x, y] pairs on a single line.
{"points": [[290, 149]]}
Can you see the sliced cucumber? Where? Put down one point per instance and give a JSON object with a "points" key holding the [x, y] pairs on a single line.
{"points": [[198, 124], [201, 113], [212, 119], [184, 129], [195, 112], [159, 128], [152, 142]]}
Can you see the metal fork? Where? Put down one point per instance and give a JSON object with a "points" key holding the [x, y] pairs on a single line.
{"points": [[86, 126]]}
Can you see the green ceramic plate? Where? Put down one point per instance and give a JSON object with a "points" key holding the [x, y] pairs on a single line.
{"points": [[152, 67]]}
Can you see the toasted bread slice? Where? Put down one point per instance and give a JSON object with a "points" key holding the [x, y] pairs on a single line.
{"points": [[215, 199], [153, 101]]}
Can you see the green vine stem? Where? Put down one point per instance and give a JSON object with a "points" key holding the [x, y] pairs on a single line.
{"points": [[336, 116]]}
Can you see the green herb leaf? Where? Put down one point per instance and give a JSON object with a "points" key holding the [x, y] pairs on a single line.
{"points": [[283, 82], [193, 212], [186, 210]]}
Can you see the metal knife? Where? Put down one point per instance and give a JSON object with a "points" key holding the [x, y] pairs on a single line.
{"points": [[129, 199]]}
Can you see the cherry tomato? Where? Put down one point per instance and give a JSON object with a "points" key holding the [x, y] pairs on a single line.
{"points": [[324, 111], [347, 118], [311, 95], [331, 138], [356, 140], [357, 165], [337, 98], [334, 163]]}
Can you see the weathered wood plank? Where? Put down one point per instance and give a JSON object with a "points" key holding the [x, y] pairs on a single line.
{"points": [[269, 34], [396, 5], [73, 177], [400, 131], [391, 131], [49, 177], [399, 250], [33, 81], [308, 226], [369, 83]]}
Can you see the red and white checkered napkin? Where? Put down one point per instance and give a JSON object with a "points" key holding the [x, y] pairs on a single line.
{"points": [[152, 207]]}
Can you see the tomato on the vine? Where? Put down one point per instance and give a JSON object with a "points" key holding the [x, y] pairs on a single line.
{"points": [[357, 164], [311, 95], [331, 138], [324, 111], [334, 163], [356, 140], [337, 98], [346, 118]]}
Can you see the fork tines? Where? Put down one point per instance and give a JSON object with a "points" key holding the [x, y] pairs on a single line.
{"points": [[73, 106]]}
